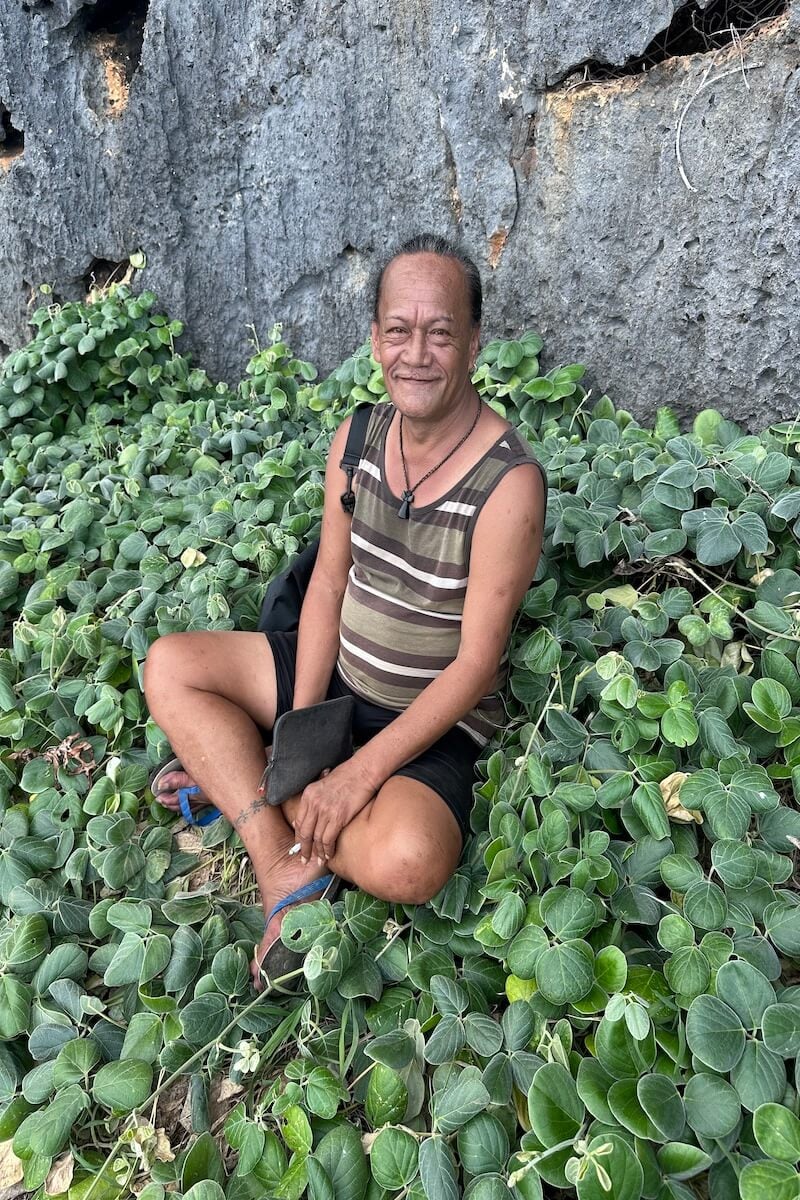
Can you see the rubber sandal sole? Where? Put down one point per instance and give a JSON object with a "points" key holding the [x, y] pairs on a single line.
{"points": [[279, 959]]}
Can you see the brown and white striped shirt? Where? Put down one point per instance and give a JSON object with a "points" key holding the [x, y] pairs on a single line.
{"points": [[401, 616]]}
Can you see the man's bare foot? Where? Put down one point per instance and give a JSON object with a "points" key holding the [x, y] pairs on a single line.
{"points": [[280, 886], [167, 793]]}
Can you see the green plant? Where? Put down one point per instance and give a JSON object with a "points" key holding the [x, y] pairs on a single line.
{"points": [[601, 999]]}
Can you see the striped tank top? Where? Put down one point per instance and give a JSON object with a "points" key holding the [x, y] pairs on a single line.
{"points": [[401, 615]]}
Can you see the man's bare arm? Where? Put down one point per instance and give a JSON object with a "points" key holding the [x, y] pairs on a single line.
{"points": [[318, 635]]}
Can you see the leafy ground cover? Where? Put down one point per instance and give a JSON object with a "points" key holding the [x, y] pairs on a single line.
{"points": [[602, 1002]]}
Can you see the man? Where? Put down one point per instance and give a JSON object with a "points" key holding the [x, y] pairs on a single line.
{"points": [[409, 609]]}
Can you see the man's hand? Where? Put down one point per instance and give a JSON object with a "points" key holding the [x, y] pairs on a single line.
{"points": [[326, 806]]}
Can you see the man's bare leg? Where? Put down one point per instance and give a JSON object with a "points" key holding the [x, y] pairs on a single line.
{"points": [[207, 690]]}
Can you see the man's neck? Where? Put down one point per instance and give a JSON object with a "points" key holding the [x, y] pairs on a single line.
{"points": [[421, 436]]}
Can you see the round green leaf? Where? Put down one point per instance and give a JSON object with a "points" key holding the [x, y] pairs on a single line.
{"points": [[705, 905], [781, 1029], [393, 1158], [123, 1086], [610, 969], [759, 1076], [483, 1145], [565, 973], [777, 1131], [712, 1106], [682, 1160], [662, 1104], [746, 991], [775, 1180], [714, 1033], [555, 1109]]}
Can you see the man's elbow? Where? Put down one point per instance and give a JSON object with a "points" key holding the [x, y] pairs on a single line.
{"points": [[482, 669]]}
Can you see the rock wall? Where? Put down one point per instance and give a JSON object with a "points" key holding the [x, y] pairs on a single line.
{"points": [[263, 155]]}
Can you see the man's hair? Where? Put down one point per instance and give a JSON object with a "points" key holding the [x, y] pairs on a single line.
{"points": [[431, 243]]}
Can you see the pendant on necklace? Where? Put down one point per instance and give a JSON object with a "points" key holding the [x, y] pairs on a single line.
{"points": [[404, 511]]}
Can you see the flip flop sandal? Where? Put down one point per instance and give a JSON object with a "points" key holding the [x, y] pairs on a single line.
{"points": [[184, 793], [279, 959]]}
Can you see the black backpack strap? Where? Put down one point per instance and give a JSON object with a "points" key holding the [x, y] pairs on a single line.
{"points": [[356, 436]]}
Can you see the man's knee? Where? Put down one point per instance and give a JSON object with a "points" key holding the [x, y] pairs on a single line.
{"points": [[161, 663], [408, 869]]}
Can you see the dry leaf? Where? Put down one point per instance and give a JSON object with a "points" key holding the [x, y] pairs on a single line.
{"points": [[670, 792], [192, 557], [60, 1175], [11, 1168], [163, 1150]]}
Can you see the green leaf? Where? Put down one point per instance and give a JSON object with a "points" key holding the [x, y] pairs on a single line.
{"points": [[393, 1158], [203, 1019], [777, 1131], [712, 1106], [776, 1180], [437, 1170], [341, 1156], [705, 905], [781, 1029], [619, 1164], [568, 912], [483, 1145], [296, 1129], [202, 1162], [555, 1109], [746, 991], [681, 1160], [714, 1033], [565, 973], [458, 1102], [662, 1103], [123, 1086], [47, 1131], [734, 862], [759, 1076]]}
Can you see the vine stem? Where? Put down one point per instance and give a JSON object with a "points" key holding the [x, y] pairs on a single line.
{"points": [[137, 1112], [534, 731]]}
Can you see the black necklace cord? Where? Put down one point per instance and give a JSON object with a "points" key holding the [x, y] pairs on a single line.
{"points": [[407, 499]]}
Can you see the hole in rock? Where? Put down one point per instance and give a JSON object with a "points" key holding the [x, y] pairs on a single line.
{"points": [[12, 140], [115, 29], [102, 272], [693, 30]]}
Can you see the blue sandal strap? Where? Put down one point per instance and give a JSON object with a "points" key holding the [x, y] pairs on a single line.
{"points": [[302, 893], [186, 811]]}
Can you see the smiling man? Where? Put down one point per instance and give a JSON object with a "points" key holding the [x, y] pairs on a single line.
{"points": [[408, 610]]}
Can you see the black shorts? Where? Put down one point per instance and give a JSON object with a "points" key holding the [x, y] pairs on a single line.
{"points": [[447, 767]]}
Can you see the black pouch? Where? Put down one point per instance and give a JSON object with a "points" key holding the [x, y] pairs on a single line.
{"points": [[304, 742]]}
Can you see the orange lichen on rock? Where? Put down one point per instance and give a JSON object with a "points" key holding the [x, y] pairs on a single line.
{"points": [[110, 53], [496, 245]]}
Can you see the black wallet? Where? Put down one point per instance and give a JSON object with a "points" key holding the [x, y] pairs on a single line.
{"points": [[304, 742]]}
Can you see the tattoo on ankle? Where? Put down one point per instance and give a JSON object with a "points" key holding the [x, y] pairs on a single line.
{"points": [[246, 813]]}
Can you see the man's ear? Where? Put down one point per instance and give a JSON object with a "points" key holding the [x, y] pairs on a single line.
{"points": [[475, 342], [376, 348]]}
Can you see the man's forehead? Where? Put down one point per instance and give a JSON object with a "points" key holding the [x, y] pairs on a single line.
{"points": [[440, 318], [424, 280]]}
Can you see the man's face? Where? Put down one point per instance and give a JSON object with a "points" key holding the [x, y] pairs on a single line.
{"points": [[424, 337]]}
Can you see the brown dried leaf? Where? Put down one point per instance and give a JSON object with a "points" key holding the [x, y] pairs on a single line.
{"points": [[670, 793], [60, 1175], [11, 1167]]}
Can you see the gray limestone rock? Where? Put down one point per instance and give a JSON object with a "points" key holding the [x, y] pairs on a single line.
{"points": [[264, 156]]}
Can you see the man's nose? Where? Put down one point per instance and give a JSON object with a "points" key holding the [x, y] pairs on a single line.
{"points": [[417, 347]]}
